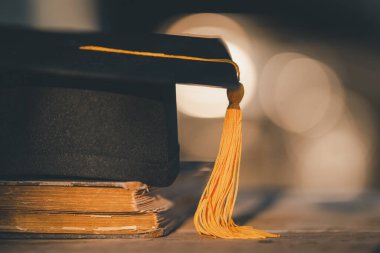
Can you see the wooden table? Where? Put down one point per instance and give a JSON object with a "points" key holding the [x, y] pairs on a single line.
{"points": [[307, 223]]}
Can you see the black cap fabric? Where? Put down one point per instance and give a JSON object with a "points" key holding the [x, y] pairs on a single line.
{"points": [[67, 113]]}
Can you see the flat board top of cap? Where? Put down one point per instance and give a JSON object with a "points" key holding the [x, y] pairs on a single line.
{"points": [[58, 55]]}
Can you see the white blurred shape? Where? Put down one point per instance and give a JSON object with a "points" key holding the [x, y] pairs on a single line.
{"points": [[207, 102], [300, 94], [65, 15], [329, 134], [338, 161]]}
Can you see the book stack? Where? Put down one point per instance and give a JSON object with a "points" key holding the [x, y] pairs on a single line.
{"points": [[90, 209]]}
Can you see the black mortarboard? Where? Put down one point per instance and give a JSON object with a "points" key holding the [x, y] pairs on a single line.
{"points": [[71, 113], [103, 107]]}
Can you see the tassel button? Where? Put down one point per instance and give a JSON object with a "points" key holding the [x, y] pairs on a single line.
{"points": [[235, 96]]}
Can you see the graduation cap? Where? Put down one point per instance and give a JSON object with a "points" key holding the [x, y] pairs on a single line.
{"points": [[103, 107]]}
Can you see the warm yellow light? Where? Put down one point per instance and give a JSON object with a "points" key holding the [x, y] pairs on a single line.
{"points": [[206, 102]]}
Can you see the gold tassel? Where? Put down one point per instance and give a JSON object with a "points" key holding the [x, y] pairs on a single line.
{"points": [[214, 213]]}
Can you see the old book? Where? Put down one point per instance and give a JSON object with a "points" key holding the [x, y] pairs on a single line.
{"points": [[89, 197], [80, 209]]}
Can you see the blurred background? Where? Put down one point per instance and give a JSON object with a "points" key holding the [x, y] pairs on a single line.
{"points": [[311, 72]]}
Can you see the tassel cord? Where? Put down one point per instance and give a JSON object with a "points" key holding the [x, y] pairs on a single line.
{"points": [[214, 213]]}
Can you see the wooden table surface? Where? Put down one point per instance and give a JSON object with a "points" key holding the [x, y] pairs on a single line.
{"points": [[306, 222]]}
